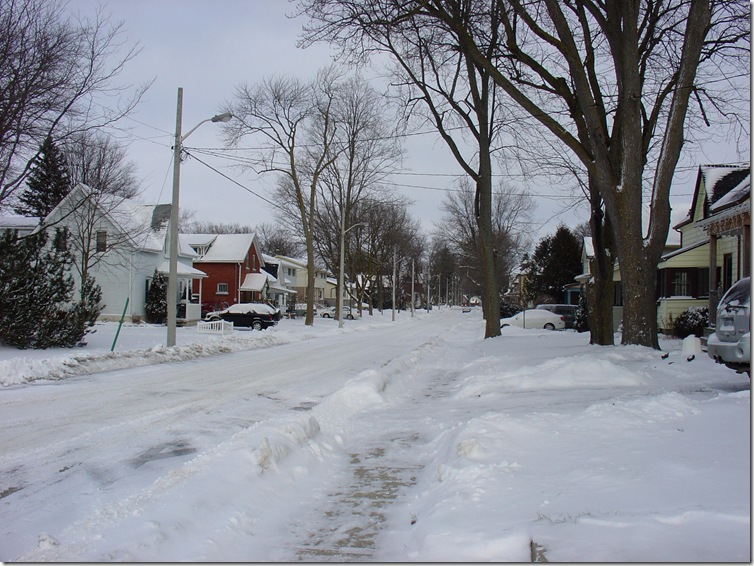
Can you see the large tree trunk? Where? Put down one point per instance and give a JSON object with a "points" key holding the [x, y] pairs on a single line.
{"points": [[600, 291], [600, 298], [483, 209]]}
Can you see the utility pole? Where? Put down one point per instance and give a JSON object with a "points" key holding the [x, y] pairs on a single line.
{"points": [[394, 281], [412, 287]]}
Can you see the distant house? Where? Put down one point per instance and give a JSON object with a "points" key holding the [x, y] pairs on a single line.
{"points": [[233, 264], [22, 225], [121, 243], [280, 285], [715, 244], [297, 271], [587, 256]]}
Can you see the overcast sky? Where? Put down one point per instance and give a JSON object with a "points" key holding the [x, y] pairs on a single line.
{"points": [[209, 48]]}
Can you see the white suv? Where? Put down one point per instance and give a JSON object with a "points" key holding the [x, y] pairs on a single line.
{"points": [[730, 343]]}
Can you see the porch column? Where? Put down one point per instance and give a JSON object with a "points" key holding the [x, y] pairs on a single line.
{"points": [[712, 277], [746, 264]]}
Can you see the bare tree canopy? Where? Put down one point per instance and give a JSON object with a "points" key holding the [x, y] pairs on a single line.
{"points": [[293, 122], [458, 232], [100, 162], [55, 75], [613, 81]]}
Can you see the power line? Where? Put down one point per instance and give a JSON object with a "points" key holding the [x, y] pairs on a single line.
{"points": [[231, 180]]}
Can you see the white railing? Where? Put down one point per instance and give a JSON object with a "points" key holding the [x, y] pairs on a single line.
{"points": [[215, 327]]}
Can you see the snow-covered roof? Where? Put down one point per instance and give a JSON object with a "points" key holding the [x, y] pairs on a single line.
{"points": [[254, 282], [734, 195], [17, 222], [182, 271], [198, 239], [145, 224], [223, 248]]}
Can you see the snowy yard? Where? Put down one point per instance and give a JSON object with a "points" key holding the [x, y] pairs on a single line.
{"points": [[413, 440]]}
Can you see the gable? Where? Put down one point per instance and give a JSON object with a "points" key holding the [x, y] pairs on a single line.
{"points": [[713, 183], [145, 225], [223, 248], [725, 184]]}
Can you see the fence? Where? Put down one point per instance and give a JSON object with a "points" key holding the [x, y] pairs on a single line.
{"points": [[215, 327]]}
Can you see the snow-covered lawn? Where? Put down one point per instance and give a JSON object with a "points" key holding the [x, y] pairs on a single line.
{"points": [[413, 440]]}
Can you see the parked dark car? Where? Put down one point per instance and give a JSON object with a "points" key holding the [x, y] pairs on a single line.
{"points": [[568, 312], [256, 316], [730, 344]]}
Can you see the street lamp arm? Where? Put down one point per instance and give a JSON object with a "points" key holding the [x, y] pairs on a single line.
{"points": [[226, 117]]}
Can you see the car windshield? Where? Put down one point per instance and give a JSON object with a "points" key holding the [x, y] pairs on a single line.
{"points": [[738, 295]]}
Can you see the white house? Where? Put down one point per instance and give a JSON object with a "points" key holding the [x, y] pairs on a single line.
{"points": [[121, 243]]}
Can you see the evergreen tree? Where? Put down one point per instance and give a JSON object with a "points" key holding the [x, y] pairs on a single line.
{"points": [[554, 264], [47, 184], [155, 303], [36, 291]]}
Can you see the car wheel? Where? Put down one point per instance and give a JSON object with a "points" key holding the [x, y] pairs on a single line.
{"points": [[325, 315], [504, 325], [349, 316], [549, 326], [256, 325]]}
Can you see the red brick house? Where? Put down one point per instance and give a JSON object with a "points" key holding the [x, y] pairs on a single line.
{"points": [[233, 264]]}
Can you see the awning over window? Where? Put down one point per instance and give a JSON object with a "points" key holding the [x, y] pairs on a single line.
{"points": [[183, 270], [254, 282]]}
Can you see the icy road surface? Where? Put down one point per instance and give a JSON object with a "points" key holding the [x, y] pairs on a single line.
{"points": [[413, 440]]}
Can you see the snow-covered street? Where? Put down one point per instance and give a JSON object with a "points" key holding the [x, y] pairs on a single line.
{"points": [[413, 440]]}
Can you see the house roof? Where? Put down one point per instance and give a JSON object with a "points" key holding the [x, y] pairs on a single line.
{"points": [[719, 181], [145, 224], [254, 282], [223, 248], [20, 223], [183, 270], [734, 194]]}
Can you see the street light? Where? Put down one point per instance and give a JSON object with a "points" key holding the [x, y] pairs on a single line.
{"points": [[173, 272], [342, 261]]}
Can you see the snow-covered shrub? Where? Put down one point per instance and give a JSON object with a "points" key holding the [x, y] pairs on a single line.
{"points": [[692, 321], [581, 323]]}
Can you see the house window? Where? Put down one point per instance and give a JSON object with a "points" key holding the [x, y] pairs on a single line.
{"points": [[222, 288], [727, 271], [101, 241], [680, 284], [618, 294], [61, 239], [702, 282]]}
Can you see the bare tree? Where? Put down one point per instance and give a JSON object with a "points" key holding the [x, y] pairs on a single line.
{"points": [[276, 240], [441, 85], [294, 122], [612, 81], [365, 152], [51, 71], [100, 162], [385, 229], [458, 230]]}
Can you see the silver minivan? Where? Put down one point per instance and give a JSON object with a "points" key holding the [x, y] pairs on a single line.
{"points": [[730, 344]]}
